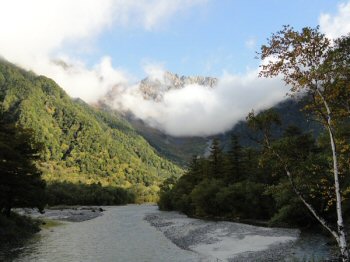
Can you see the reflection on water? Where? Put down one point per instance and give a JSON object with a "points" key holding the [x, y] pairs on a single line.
{"points": [[121, 234]]}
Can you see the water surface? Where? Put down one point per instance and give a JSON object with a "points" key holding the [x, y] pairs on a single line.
{"points": [[122, 234]]}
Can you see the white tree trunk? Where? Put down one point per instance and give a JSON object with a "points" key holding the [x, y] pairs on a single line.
{"points": [[341, 229], [320, 219], [340, 223]]}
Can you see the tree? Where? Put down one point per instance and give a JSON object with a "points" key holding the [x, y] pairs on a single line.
{"points": [[20, 180], [311, 65], [234, 167], [195, 169], [165, 197], [216, 159]]}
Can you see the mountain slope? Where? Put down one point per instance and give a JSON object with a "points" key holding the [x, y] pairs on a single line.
{"points": [[178, 149], [81, 144], [290, 113], [181, 149]]}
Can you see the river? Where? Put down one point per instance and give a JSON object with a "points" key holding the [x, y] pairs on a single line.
{"points": [[120, 234]]}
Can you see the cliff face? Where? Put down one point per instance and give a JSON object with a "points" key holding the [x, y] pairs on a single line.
{"points": [[154, 88]]}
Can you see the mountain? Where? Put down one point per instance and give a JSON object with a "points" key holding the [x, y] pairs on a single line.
{"points": [[290, 112], [153, 88], [181, 149], [178, 149], [81, 143]]}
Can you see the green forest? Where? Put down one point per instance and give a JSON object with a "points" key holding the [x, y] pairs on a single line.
{"points": [[293, 177], [82, 149], [249, 185]]}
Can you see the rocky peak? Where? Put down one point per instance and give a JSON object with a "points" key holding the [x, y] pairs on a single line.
{"points": [[154, 88]]}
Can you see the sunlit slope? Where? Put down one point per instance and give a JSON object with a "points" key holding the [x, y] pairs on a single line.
{"points": [[81, 143]]}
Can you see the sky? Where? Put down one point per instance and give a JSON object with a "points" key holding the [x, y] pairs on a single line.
{"points": [[109, 43], [209, 37]]}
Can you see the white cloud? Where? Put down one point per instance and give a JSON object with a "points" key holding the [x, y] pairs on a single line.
{"points": [[201, 111], [34, 32], [36, 28], [87, 84], [336, 25], [154, 70], [152, 13]]}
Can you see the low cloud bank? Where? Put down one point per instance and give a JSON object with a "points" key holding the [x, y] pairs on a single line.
{"points": [[201, 111]]}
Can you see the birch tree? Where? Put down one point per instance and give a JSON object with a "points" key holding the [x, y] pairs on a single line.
{"points": [[313, 65]]}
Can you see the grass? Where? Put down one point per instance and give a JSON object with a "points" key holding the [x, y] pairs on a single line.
{"points": [[49, 223]]}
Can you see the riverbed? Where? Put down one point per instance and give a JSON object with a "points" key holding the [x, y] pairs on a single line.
{"points": [[142, 233]]}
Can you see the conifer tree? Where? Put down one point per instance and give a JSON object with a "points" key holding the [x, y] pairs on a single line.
{"points": [[20, 180], [234, 167], [216, 160]]}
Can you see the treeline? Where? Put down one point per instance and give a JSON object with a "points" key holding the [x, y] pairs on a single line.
{"points": [[66, 193], [81, 194], [249, 184]]}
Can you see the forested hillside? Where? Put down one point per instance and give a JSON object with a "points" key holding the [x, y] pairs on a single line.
{"points": [[178, 149], [290, 112], [81, 145]]}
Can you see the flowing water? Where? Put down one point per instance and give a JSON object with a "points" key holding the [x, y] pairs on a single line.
{"points": [[121, 234]]}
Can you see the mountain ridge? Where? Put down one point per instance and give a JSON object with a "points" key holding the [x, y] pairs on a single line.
{"points": [[82, 144], [153, 88]]}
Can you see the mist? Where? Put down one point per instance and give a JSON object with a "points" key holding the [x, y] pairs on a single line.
{"points": [[202, 111]]}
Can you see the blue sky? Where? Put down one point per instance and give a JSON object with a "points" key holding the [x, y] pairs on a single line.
{"points": [[208, 38], [110, 45]]}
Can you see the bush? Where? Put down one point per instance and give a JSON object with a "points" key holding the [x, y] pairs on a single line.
{"points": [[16, 228]]}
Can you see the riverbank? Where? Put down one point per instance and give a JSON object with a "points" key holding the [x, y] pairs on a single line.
{"points": [[26, 222], [229, 241], [65, 213]]}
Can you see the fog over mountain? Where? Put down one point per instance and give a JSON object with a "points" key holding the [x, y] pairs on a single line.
{"points": [[195, 106]]}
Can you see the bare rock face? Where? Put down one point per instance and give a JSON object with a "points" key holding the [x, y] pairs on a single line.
{"points": [[154, 88]]}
